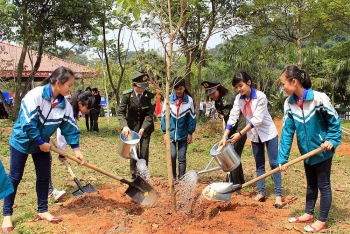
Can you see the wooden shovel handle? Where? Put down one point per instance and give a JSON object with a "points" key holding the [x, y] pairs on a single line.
{"points": [[69, 169], [267, 174], [54, 144], [85, 163]]}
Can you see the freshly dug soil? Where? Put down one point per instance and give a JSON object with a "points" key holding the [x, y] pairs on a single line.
{"points": [[110, 210]]}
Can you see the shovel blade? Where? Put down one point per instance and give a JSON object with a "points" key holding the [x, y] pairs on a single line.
{"points": [[141, 192], [221, 197], [78, 193], [89, 189], [220, 191], [85, 189]]}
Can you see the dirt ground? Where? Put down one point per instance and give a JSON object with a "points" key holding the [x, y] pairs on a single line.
{"points": [[110, 210]]}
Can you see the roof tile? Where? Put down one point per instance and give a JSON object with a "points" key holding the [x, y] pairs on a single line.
{"points": [[10, 54]]}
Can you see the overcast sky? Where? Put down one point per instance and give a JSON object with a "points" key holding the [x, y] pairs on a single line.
{"points": [[151, 43], [146, 43]]}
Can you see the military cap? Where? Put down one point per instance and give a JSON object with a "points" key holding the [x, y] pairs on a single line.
{"points": [[210, 86], [140, 80]]}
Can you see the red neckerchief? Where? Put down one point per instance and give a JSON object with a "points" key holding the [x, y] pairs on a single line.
{"points": [[59, 99], [178, 103], [301, 101], [247, 107], [54, 104]]}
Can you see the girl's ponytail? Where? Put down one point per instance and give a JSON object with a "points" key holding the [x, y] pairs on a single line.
{"points": [[293, 72], [46, 81], [306, 79], [61, 74]]}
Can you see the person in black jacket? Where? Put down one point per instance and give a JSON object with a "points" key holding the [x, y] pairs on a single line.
{"points": [[224, 100], [87, 116], [135, 113], [95, 111]]}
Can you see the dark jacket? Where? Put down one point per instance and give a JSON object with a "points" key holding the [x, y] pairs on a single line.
{"points": [[135, 114], [224, 105], [97, 104]]}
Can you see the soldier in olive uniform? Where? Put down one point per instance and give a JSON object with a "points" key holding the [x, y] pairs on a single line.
{"points": [[224, 100], [135, 113]]}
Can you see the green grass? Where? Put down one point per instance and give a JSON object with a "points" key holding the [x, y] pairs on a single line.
{"points": [[346, 130], [100, 149], [345, 123]]}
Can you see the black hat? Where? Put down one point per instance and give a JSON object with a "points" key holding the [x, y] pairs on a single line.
{"points": [[210, 86], [140, 80]]}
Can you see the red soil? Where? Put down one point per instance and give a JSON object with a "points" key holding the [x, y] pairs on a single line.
{"points": [[110, 210]]}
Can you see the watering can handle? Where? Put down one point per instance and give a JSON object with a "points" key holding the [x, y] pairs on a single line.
{"points": [[219, 149], [130, 137]]}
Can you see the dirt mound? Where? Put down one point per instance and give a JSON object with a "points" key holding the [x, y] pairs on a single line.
{"points": [[111, 211]]}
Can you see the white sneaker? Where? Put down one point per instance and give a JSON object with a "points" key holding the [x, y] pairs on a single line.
{"points": [[58, 194]]}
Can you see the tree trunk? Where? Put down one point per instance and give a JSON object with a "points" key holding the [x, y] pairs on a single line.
{"points": [[18, 90], [169, 52], [122, 67], [298, 43]]}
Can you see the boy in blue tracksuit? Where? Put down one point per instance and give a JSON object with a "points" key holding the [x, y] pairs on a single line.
{"points": [[182, 124], [311, 115]]}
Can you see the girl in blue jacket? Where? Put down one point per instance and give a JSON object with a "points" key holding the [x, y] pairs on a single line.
{"points": [[81, 102], [182, 124], [43, 110], [6, 187], [311, 115]]}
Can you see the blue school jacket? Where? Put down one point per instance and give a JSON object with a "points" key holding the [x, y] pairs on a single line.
{"points": [[316, 122], [37, 121], [6, 187], [182, 123]]}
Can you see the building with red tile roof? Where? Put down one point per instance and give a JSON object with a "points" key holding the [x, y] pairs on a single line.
{"points": [[10, 54]]}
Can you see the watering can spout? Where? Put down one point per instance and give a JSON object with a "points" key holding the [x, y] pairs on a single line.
{"points": [[209, 169], [133, 153], [226, 157]]}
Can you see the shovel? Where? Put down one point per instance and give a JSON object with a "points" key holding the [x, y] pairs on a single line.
{"points": [[222, 191], [139, 190], [81, 189]]}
